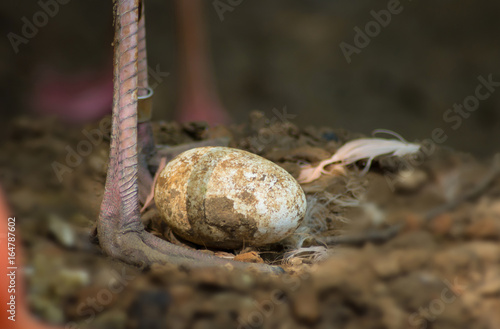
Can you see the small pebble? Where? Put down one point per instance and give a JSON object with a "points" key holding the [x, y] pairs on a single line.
{"points": [[61, 230]]}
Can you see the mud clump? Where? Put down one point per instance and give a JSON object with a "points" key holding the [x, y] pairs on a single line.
{"points": [[439, 271]]}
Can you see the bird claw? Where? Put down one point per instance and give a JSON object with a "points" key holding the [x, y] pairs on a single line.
{"points": [[144, 249]]}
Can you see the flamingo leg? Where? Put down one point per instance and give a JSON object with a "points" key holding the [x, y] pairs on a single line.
{"points": [[119, 228]]}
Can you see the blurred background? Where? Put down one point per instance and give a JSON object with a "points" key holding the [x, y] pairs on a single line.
{"points": [[271, 54], [56, 61]]}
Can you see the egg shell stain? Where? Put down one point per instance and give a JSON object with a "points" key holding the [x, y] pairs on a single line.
{"points": [[227, 198]]}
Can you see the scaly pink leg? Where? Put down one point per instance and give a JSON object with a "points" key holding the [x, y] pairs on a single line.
{"points": [[119, 229], [144, 128]]}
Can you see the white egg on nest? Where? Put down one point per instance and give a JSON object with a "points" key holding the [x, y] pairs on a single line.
{"points": [[227, 198]]}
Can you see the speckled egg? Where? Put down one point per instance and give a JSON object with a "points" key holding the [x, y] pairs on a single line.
{"points": [[228, 198]]}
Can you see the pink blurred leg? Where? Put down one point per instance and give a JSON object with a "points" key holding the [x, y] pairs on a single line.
{"points": [[198, 97]]}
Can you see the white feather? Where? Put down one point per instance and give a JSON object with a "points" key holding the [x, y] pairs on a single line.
{"points": [[355, 150]]}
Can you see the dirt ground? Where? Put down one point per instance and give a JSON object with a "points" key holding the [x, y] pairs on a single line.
{"points": [[412, 244]]}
